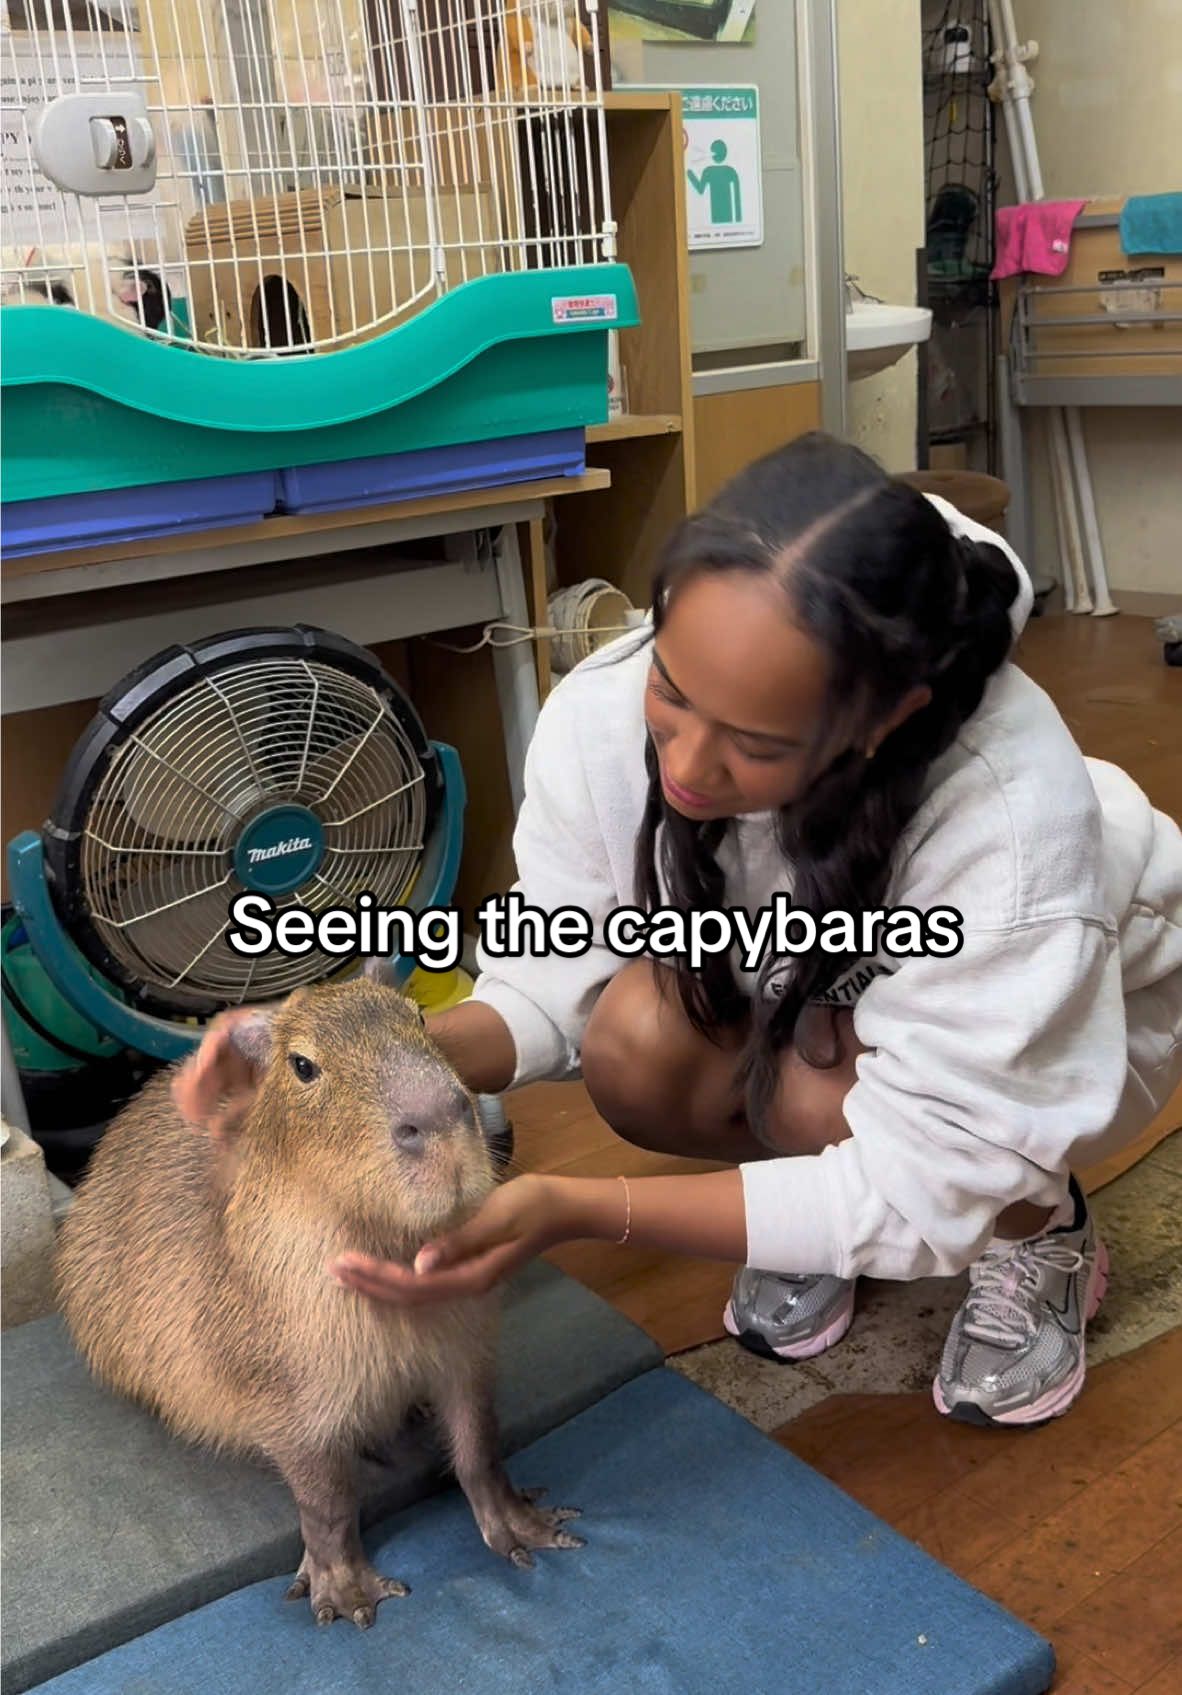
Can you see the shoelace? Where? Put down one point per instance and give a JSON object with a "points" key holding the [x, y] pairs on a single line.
{"points": [[999, 1309]]}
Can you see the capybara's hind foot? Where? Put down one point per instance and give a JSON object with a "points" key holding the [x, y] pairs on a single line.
{"points": [[351, 1590], [516, 1525]]}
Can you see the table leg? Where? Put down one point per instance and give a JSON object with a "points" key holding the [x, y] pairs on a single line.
{"points": [[532, 538], [516, 675]]}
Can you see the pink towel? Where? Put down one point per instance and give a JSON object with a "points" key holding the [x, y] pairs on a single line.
{"points": [[1035, 237]]}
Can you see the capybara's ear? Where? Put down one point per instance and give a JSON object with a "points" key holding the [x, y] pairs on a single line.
{"points": [[252, 1034], [214, 1088], [380, 971]]}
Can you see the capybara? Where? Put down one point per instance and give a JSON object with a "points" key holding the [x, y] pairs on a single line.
{"points": [[192, 1273]]}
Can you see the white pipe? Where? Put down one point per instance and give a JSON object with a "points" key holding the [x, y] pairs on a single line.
{"points": [[1075, 467], [1026, 128], [1066, 428], [1013, 469], [1060, 527], [1013, 137], [1062, 464], [1087, 505], [1020, 89]]}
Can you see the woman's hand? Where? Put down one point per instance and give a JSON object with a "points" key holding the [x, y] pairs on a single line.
{"points": [[702, 1215], [521, 1219]]}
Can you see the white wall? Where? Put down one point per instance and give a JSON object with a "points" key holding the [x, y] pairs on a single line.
{"points": [[881, 89], [1108, 88], [1107, 110]]}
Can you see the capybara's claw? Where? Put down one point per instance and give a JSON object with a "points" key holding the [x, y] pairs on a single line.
{"points": [[518, 1526], [557, 1513], [351, 1591]]}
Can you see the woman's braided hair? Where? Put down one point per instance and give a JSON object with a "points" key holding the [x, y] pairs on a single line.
{"points": [[870, 568]]}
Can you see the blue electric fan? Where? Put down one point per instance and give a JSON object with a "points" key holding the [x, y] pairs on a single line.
{"points": [[278, 761]]}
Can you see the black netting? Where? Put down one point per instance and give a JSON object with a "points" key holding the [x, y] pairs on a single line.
{"points": [[961, 194], [961, 184]]}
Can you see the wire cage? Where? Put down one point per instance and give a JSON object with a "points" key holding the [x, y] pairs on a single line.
{"points": [[252, 180]]}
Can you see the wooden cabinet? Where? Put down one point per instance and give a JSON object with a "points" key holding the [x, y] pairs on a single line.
{"points": [[616, 532]]}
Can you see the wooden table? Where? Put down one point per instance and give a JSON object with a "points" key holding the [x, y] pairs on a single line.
{"points": [[75, 621]]}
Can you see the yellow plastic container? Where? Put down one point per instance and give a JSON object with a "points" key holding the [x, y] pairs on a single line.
{"points": [[436, 991]]}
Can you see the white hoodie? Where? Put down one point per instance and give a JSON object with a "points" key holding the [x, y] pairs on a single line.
{"points": [[1047, 1042]]}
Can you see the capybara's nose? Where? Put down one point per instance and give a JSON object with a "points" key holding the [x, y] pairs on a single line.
{"points": [[439, 1112]]}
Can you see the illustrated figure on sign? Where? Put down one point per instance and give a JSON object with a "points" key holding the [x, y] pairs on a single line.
{"points": [[722, 182]]}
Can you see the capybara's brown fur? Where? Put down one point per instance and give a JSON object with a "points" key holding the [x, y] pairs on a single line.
{"points": [[192, 1266]]}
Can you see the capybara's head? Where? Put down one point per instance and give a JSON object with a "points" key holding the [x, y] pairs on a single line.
{"points": [[339, 1095]]}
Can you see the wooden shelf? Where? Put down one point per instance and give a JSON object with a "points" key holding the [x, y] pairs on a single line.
{"points": [[634, 100], [617, 533], [633, 424]]}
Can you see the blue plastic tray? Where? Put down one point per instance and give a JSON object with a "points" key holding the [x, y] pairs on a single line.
{"points": [[135, 514], [435, 470], [164, 509]]}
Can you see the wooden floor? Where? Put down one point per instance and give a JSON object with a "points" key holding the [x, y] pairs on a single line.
{"points": [[1076, 1528], [1122, 703]]}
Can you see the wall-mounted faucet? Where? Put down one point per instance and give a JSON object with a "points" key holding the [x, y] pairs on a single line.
{"points": [[855, 291]]}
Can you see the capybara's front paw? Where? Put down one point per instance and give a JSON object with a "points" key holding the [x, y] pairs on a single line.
{"points": [[516, 1525], [349, 1589]]}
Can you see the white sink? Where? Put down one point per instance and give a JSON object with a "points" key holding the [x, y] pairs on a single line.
{"points": [[877, 336]]}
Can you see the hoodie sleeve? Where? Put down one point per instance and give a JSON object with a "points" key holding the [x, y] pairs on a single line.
{"points": [[562, 862], [987, 1071]]}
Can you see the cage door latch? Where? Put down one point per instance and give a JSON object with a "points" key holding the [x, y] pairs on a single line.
{"points": [[96, 143]]}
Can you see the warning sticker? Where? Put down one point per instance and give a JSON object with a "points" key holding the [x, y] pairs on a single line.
{"points": [[1143, 273], [576, 308]]}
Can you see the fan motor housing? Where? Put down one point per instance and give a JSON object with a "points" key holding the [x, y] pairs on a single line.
{"points": [[279, 849]]}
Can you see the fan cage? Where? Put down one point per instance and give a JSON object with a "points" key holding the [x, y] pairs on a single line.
{"points": [[177, 765]]}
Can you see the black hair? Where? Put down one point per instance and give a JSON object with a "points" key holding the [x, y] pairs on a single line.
{"points": [[870, 568]]}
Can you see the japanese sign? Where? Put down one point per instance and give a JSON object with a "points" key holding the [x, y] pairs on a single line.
{"points": [[723, 176]]}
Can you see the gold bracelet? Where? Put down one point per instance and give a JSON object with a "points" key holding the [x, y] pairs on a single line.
{"points": [[620, 1240]]}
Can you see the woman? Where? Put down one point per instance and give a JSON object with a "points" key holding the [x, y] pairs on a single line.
{"points": [[824, 709]]}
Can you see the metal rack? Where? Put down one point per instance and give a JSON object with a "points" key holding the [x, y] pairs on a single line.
{"points": [[1055, 348], [1115, 341]]}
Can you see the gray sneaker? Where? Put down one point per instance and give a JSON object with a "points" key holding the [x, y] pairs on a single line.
{"points": [[1016, 1351], [788, 1318]]}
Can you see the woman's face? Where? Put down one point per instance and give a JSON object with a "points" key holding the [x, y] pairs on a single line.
{"points": [[735, 697]]}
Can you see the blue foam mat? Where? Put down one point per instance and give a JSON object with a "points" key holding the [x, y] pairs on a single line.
{"points": [[112, 1528], [715, 1561]]}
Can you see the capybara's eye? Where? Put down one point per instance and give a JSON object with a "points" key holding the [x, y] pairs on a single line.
{"points": [[305, 1069]]}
